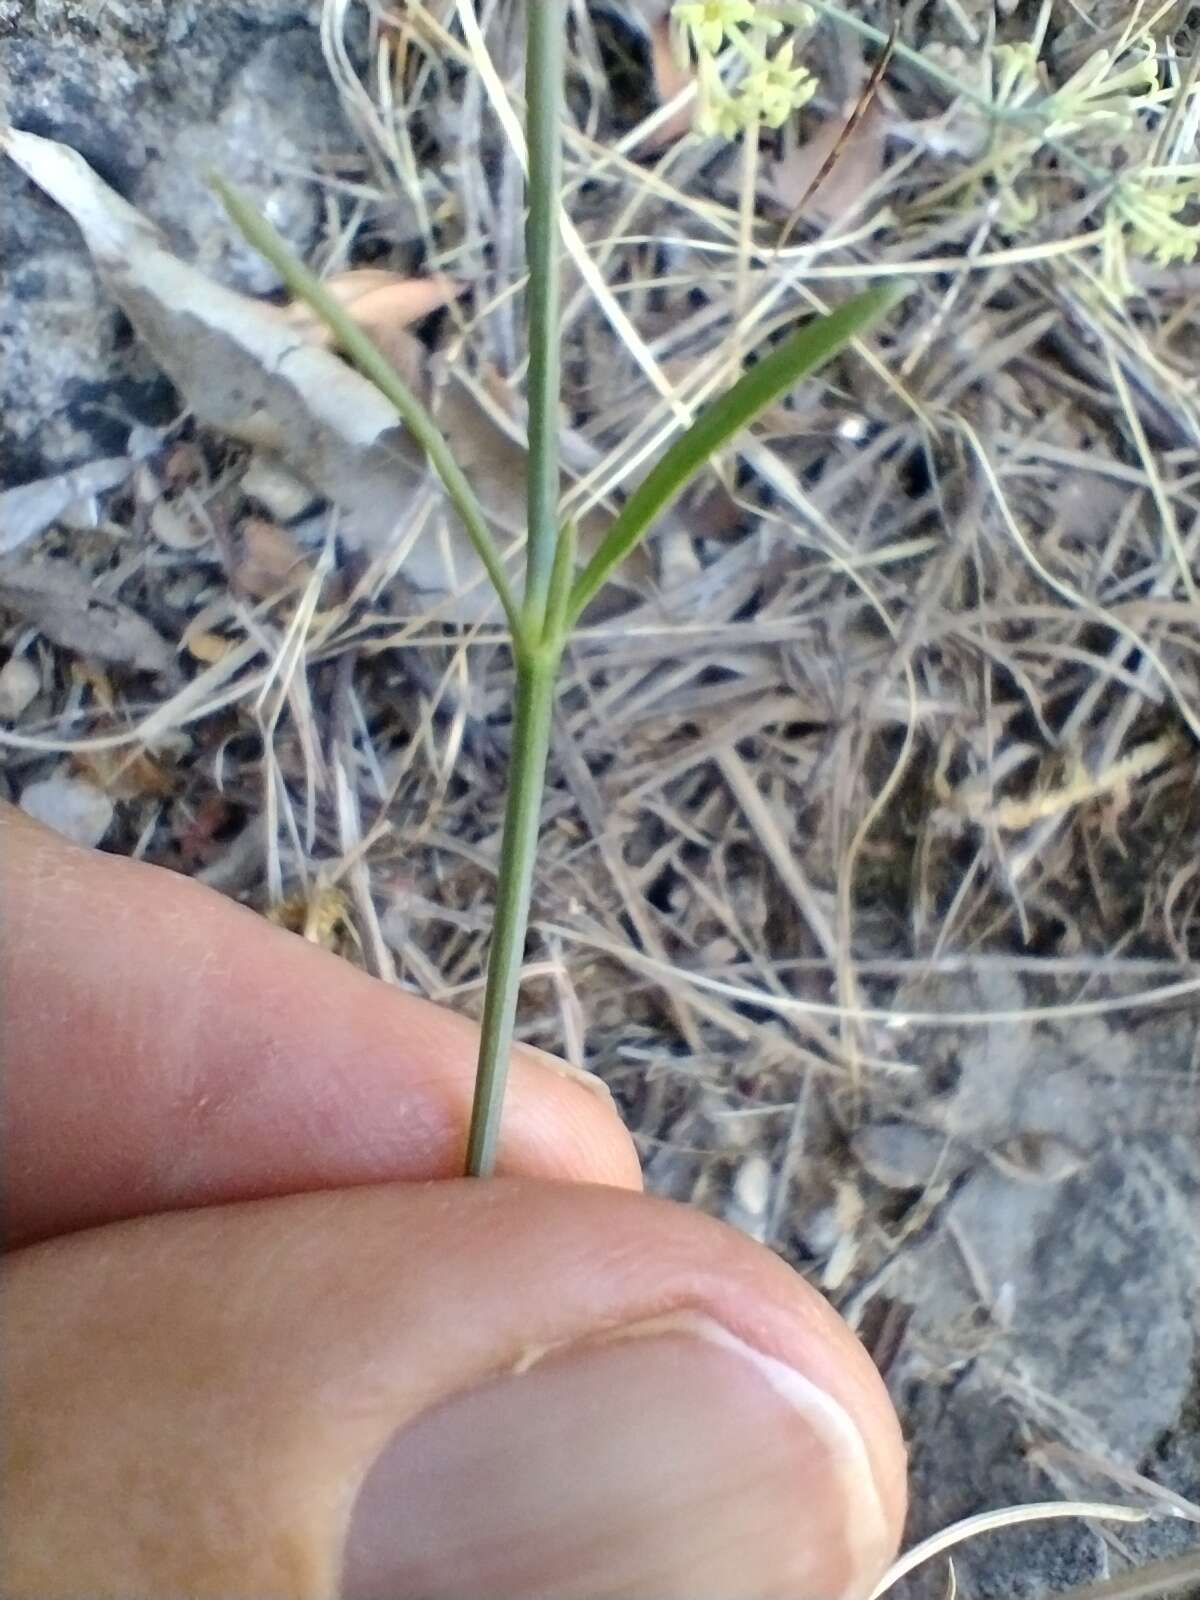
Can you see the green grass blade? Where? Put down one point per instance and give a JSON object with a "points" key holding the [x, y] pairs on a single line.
{"points": [[815, 343], [562, 576], [373, 364]]}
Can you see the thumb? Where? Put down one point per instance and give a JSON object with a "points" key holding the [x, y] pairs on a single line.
{"points": [[502, 1391]]}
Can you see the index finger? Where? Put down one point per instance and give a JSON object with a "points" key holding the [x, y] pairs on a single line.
{"points": [[165, 1048]]}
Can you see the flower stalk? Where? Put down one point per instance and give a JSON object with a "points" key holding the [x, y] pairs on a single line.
{"points": [[555, 594]]}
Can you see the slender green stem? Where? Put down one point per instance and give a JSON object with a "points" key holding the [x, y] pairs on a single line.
{"points": [[536, 671], [375, 366], [545, 56], [549, 570], [554, 595]]}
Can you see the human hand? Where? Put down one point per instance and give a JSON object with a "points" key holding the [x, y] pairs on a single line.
{"points": [[250, 1349]]}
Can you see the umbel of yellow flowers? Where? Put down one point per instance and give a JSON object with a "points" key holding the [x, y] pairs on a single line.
{"points": [[747, 75]]}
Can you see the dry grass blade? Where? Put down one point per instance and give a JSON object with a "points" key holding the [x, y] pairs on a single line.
{"points": [[893, 1019], [1142, 1583], [862, 106], [993, 1522]]}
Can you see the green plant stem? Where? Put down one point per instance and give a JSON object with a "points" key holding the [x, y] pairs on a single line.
{"points": [[545, 57], [558, 599], [549, 564], [373, 365], [554, 597], [533, 713]]}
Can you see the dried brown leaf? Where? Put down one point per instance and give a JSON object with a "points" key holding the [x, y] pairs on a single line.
{"points": [[246, 370], [268, 557], [123, 776], [208, 648], [859, 165], [65, 608], [382, 303]]}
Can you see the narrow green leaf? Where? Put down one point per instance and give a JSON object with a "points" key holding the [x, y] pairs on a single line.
{"points": [[814, 344], [373, 364], [562, 575]]}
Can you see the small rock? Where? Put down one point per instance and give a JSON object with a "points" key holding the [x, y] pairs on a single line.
{"points": [[900, 1155], [278, 115], [152, 96], [283, 494], [71, 806], [19, 684], [752, 1187], [172, 526]]}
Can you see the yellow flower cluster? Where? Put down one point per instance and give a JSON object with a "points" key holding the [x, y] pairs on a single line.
{"points": [[1151, 211], [1145, 218], [747, 74], [1096, 99]]}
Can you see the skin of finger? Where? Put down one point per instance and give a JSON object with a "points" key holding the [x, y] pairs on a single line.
{"points": [[191, 1401], [164, 1047]]}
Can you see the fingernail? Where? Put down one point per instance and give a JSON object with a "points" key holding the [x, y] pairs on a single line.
{"points": [[563, 1069], [667, 1462]]}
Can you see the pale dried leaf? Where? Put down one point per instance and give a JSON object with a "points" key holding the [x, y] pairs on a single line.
{"points": [[71, 806], [245, 372], [31, 508], [20, 682], [67, 609]]}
